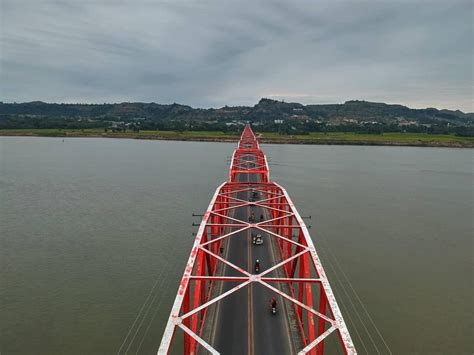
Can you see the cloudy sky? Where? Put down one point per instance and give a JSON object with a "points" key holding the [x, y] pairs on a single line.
{"points": [[211, 53]]}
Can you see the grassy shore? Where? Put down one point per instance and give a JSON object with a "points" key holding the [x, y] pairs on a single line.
{"points": [[397, 139]]}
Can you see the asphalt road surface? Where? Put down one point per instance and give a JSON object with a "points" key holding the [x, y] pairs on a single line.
{"points": [[244, 323]]}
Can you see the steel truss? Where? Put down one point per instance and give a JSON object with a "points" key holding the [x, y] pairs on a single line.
{"points": [[303, 272]]}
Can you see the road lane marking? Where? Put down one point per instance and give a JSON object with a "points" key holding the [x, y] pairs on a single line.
{"points": [[287, 321], [224, 270], [249, 331], [249, 194], [249, 292]]}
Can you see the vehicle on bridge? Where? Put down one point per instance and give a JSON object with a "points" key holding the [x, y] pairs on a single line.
{"points": [[257, 266], [252, 217], [273, 305], [254, 196], [257, 239]]}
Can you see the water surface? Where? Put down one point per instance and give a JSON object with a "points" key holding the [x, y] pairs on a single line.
{"points": [[87, 226]]}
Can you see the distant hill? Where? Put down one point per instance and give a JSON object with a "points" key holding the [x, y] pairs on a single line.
{"points": [[269, 114], [362, 111]]}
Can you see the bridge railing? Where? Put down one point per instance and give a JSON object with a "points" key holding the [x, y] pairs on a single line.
{"points": [[248, 158], [308, 289]]}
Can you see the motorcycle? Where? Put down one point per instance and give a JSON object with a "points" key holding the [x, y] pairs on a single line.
{"points": [[273, 305], [254, 196]]}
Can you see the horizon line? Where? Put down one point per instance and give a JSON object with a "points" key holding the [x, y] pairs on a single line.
{"points": [[216, 108]]}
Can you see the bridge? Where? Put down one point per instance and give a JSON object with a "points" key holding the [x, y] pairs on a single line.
{"points": [[223, 305]]}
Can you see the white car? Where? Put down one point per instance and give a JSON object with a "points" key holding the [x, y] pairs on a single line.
{"points": [[257, 239]]}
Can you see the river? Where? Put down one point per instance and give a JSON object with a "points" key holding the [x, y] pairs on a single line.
{"points": [[88, 225]]}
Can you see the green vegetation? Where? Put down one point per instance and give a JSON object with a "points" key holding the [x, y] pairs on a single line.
{"points": [[193, 134], [146, 134], [382, 139], [267, 116], [354, 122], [415, 139], [48, 132]]}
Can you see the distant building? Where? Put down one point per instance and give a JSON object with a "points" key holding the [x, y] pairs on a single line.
{"points": [[404, 123]]}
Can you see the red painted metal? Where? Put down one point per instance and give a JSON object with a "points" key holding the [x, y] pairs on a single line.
{"points": [[303, 272]]}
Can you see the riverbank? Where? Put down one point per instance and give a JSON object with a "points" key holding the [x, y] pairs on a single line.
{"points": [[336, 138]]}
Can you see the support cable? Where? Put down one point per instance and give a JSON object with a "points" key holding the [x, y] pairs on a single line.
{"points": [[152, 319], [140, 311], [342, 304], [358, 299], [143, 318], [164, 271]]}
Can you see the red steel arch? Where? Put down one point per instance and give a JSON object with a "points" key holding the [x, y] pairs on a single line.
{"points": [[310, 293]]}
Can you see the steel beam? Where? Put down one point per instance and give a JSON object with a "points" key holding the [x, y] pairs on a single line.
{"points": [[304, 273]]}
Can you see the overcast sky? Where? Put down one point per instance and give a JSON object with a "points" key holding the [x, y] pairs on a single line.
{"points": [[212, 53]]}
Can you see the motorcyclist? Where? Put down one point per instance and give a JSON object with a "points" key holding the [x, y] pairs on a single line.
{"points": [[257, 265], [273, 302], [261, 217], [254, 195]]}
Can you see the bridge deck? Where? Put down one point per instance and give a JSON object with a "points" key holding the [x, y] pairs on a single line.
{"points": [[222, 305], [250, 308]]}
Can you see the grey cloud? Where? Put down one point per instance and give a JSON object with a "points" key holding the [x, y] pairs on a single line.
{"points": [[212, 53]]}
